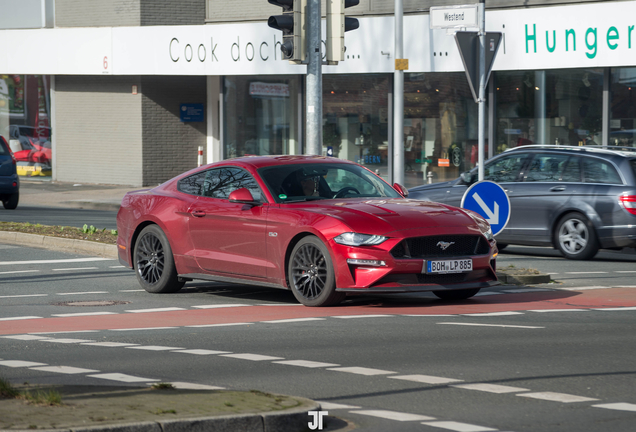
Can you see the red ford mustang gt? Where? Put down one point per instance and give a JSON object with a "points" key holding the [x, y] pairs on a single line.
{"points": [[321, 227]]}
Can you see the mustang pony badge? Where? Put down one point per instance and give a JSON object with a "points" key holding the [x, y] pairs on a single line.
{"points": [[444, 245]]}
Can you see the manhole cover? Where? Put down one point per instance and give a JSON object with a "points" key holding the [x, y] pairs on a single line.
{"points": [[91, 303]]}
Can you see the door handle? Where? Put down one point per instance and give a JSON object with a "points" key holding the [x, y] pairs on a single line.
{"points": [[557, 189], [198, 213]]}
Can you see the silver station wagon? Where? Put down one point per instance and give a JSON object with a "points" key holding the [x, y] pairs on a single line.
{"points": [[577, 199]]}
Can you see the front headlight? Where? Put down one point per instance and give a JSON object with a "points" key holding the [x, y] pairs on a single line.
{"points": [[355, 239], [489, 235]]}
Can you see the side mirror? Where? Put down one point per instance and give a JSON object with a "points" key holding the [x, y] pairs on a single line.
{"points": [[401, 190], [242, 195], [466, 177]]}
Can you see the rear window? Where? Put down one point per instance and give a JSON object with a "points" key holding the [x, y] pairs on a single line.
{"points": [[599, 171], [4, 148]]}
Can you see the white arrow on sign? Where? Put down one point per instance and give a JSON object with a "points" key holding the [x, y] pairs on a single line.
{"points": [[491, 217]]}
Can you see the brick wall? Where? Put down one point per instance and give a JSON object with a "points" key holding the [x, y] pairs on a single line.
{"points": [[170, 146], [97, 13], [165, 12], [98, 130]]}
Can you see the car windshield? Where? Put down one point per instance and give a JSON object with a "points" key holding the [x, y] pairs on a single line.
{"points": [[305, 182]]}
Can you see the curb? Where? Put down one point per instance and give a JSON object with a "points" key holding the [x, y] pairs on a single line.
{"points": [[59, 243], [523, 279], [291, 420]]}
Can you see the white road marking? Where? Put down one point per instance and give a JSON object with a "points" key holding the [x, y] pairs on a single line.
{"points": [[625, 286], [20, 318], [282, 321], [76, 268], [63, 369], [490, 325], [362, 371], [423, 315], [557, 397], [625, 271], [361, 316], [491, 388], [306, 363], [219, 306], [218, 325], [278, 304], [24, 295], [616, 309], [122, 377], [154, 348], [83, 314], [109, 344], [252, 357], [135, 290], [67, 341], [25, 337], [489, 314], [82, 293], [393, 415], [458, 427], [621, 406], [558, 310], [585, 288], [168, 309], [594, 272], [58, 261], [335, 406], [426, 379], [65, 332], [201, 352], [20, 363], [192, 386], [19, 271], [143, 328], [119, 266]]}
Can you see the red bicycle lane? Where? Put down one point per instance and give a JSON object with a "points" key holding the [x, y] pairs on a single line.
{"points": [[509, 302]]}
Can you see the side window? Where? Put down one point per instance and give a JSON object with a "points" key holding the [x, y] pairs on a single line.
{"points": [[545, 168], [505, 169], [572, 171], [220, 182], [193, 184], [600, 171]]}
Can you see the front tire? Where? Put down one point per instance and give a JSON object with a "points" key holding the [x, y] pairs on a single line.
{"points": [[575, 237], [461, 294], [11, 203], [154, 263], [311, 274]]}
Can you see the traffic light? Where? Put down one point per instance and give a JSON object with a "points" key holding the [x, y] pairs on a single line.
{"points": [[294, 27], [337, 25]]}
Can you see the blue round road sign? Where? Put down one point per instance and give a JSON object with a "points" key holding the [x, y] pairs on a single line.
{"points": [[489, 200]]}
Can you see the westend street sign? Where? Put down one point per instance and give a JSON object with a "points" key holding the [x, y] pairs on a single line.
{"points": [[454, 16], [489, 200], [468, 44]]}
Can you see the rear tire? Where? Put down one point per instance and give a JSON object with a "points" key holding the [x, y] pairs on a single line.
{"points": [[11, 203], [575, 237], [461, 294], [311, 274], [154, 263]]}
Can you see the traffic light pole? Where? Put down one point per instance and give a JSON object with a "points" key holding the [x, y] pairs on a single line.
{"points": [[481, 134], [313, 103]]}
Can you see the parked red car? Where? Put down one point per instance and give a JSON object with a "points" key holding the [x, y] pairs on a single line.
{"points": [[322, 227]]}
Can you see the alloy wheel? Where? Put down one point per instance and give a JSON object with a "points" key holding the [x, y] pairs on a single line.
{"points": [[150, 259], [573, 236], [309, 271]]}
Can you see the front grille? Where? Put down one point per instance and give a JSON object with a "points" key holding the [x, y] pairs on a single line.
{"points": [[430, 247]]}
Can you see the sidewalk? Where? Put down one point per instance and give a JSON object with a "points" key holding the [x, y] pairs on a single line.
{"points": [[74, 195]]}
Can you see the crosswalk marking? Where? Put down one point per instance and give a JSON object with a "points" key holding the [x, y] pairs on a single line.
{"points": [[458, 426], [122, 377], [64, 369], [252, 357], [621, 406], [491, 388], [306, 363], [362, 371], [557, 397], [393, 415], [426, 379]]}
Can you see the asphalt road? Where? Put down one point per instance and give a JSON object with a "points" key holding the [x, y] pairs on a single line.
{"points": [[541, 358], [61, 216]]}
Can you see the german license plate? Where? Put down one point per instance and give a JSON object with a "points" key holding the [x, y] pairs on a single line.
{"points": [[448, 266]]}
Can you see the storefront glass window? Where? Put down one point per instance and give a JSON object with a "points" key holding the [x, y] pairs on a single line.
{"points": [[355, 119], [261, 115], [440, 127], [25, 112], [623, 107], [549, 107]]}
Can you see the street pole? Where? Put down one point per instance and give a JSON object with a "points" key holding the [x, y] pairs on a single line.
{"points": [[481, 136], [398, 100], [313, 103]]}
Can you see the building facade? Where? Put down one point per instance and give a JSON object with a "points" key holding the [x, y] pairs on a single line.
{"points": [[125, 92]]}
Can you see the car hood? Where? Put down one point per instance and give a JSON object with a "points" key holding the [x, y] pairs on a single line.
{"points": [[395, 214]]}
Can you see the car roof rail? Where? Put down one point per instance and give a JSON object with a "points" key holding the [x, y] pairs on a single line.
{"points": [[617, 150]]}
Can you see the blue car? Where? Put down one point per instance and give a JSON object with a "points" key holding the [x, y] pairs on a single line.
{"points": [[9, 181]]}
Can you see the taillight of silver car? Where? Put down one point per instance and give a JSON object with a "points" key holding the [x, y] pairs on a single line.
{"points": [[628, 202]]}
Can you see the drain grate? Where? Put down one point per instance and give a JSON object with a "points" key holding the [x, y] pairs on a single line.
{"points": [[91, 303]]}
